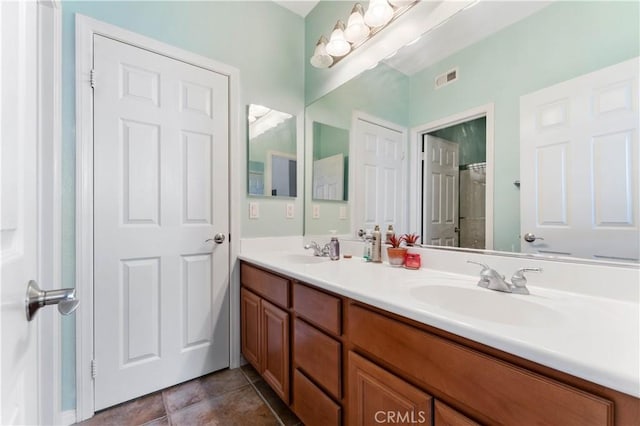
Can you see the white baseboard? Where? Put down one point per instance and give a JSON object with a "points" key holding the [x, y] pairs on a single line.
{"points": [[67, 417]]}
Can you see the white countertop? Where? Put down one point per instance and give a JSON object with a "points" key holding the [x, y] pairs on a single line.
{"points": [[594, 338]]}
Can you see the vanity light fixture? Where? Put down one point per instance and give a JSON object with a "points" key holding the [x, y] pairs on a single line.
{"points": [[378, 14], [338, 45], [320, 58], [360, 27], [356, 30]]}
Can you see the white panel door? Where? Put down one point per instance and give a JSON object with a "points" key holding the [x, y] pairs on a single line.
{"points": [[161, 190], [579, 166], [328, 178], [380, 178], [440, 192], [18, 212]]}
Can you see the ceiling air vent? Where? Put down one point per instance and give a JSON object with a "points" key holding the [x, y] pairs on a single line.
{"points": [[446, 78]]}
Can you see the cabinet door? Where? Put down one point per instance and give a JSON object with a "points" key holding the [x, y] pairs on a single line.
{"points": [[275, 348], [447, 416], [250, 327], [377, 396]]}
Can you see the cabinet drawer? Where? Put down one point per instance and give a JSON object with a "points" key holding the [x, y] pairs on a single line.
{"points": [[447, 416], [319, 356], [318, 308], [497, 391], [269, 286], [311, 405]]}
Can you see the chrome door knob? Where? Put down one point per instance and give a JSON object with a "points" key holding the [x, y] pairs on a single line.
{"points": [[529, 237], [65, 298], [218, 238]]}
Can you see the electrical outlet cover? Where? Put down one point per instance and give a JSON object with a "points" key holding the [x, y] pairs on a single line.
{"points": [[290, 211], [254, 210], [343, 213]]}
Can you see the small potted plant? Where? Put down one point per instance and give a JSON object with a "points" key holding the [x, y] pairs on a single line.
{"points": [[396, 253], [410, 239]]}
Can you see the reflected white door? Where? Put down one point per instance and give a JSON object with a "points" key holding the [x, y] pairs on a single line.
{"points": [[161, 190], [440, 191], [328, 178], [380, 176], [579, 166], [18, 211]]}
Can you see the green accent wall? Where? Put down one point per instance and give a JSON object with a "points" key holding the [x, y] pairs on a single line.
{"points": [[471, 137], [281, 138]]}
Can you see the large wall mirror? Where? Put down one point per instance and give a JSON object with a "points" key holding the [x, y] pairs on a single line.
{"points": [[457, 94], [272, 152]]}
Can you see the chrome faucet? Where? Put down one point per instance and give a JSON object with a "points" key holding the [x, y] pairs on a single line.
{"points": [[317, 250], [519, 281], [491, 279]]}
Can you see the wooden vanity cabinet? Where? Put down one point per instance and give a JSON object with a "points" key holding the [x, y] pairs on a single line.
{"points": [[335, 360], [264, 327]]}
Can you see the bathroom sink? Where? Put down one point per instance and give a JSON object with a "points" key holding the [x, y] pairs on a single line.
{"points": [[487, 305], [304, 259]]}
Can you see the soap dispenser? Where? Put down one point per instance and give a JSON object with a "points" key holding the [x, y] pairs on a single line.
{"points": [[334, 247], [376, 255]]}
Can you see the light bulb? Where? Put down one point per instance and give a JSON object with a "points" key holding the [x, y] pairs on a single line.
{"points": [[320, 58], [356, 30], [378, 14], [338, 45]]}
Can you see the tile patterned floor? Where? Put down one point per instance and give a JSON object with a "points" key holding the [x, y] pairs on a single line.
{"points": [[228, 397]]}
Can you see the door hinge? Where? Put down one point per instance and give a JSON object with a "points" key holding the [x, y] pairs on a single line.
{"points": [[92, 78], [94, 369]]}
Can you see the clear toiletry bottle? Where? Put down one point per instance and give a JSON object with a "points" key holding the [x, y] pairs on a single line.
{"points": [[389, 233], [376, 252], [367, 247], [334, 247]]}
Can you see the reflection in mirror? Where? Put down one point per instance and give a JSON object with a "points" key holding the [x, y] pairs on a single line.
{"points": [[504, 53], [330, 162], [455, 165], [272, 152]]}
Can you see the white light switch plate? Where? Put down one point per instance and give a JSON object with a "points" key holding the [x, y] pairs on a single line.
{"points": [[290, 211], [315, 214], [254, 210]]}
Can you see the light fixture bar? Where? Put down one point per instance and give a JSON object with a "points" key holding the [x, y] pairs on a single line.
{"points": [[397, 12]]}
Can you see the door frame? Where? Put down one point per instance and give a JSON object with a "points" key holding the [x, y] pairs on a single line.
{"points": [[416, 133], [355, 168], [86, 28]]}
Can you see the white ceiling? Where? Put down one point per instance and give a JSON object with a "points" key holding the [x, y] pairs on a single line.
{"points": [[301, 7]]}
